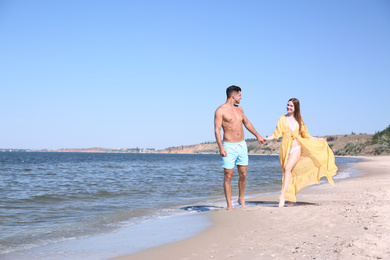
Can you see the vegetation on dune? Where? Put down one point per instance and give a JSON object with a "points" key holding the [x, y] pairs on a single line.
{"points": [[384, 135], [382, 139], [352, 149], [380, 142]]}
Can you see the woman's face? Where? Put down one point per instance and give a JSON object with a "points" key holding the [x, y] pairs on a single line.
{"points": [[290, 107]]}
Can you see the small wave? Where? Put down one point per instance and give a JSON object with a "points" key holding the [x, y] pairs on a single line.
{"points": [[20, 248], [200, 208], [347, 173], [43, 199], [342, 175], [113, 166], [99, 194]]}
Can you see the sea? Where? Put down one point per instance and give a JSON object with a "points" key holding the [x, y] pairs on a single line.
{"points": [[101, 205]]}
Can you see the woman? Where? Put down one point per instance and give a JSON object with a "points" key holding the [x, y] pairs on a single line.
{"points": [[304, 159]]}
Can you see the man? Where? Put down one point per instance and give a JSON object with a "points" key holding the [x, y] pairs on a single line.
{"points": [[233, 149]]}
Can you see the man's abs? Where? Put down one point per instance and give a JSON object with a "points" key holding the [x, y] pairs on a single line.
{"points": [[231, 136]]}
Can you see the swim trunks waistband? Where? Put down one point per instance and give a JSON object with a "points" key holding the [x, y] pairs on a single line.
{"points": [[243, 141]]}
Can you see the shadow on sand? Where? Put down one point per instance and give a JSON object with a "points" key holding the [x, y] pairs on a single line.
{"points": [[203, 208], [275, 203]]}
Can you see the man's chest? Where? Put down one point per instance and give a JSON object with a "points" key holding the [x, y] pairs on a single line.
{"points": [[233, 116]]}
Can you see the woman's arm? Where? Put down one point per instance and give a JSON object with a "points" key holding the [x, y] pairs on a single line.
{"points": [[278, 131], [305, 132]]}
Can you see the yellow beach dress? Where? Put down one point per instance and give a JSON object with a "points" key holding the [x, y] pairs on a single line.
{"points": [[317, 159]]}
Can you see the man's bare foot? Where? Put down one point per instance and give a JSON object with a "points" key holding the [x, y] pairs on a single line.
{"points": [[229, 208], [242, 203], [290, 204], [281, 203]]}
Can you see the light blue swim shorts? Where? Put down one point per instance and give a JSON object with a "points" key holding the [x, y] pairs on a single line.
{"points": [[237, 154]]}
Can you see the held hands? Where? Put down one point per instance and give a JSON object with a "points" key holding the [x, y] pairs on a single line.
{"points": [[261, 139]]}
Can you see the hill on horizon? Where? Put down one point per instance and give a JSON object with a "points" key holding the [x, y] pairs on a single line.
{"points": [[342, 145]]}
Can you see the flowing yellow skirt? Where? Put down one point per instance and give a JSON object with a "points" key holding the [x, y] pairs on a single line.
{"points": [[317, 161]]}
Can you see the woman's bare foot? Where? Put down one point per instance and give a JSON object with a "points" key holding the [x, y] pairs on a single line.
{"points": [[290, 204], [242, 203], [281, 202]]}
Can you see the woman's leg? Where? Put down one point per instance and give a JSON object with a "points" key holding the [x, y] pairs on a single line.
{"points": [[292, 160]]}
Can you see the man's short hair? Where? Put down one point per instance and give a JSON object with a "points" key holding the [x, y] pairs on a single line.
{"points": [[230, 90]]}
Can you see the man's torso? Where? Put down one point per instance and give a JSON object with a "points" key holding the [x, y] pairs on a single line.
{"points": [[232, 120]]}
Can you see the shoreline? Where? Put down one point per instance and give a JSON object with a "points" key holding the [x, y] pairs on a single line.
{"points": [[351, 220]]}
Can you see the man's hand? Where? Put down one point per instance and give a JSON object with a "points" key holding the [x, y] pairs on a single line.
{"points": [[261, 140], [223, 152]]}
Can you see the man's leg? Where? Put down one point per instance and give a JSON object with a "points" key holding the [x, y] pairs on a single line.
{"points": [[227, 186], [241, 184]]}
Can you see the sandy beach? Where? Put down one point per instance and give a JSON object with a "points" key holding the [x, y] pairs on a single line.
{"points": [[349, 221]]}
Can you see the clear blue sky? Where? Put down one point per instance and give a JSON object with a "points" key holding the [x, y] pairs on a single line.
{"points": [[115, 74]]}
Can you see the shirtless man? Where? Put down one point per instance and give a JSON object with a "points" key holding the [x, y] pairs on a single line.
{"points": [[233, 148]]}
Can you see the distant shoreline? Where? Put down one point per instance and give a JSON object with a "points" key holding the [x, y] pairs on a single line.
{"points": [[342, 145]]}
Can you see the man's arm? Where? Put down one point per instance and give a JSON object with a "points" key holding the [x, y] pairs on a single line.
{"points": [[217, 130], [248, 125]]}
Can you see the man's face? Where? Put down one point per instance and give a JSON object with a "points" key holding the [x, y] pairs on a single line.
{"points": [[237, 97]]}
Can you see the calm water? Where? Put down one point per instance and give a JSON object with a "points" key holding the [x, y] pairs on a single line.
{"points": [[50, 197]]}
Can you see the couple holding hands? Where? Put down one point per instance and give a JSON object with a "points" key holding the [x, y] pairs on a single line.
{"points": [[304, 159]]}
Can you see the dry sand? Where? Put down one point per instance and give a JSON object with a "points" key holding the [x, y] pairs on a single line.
{"points": [[349, 221]]}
